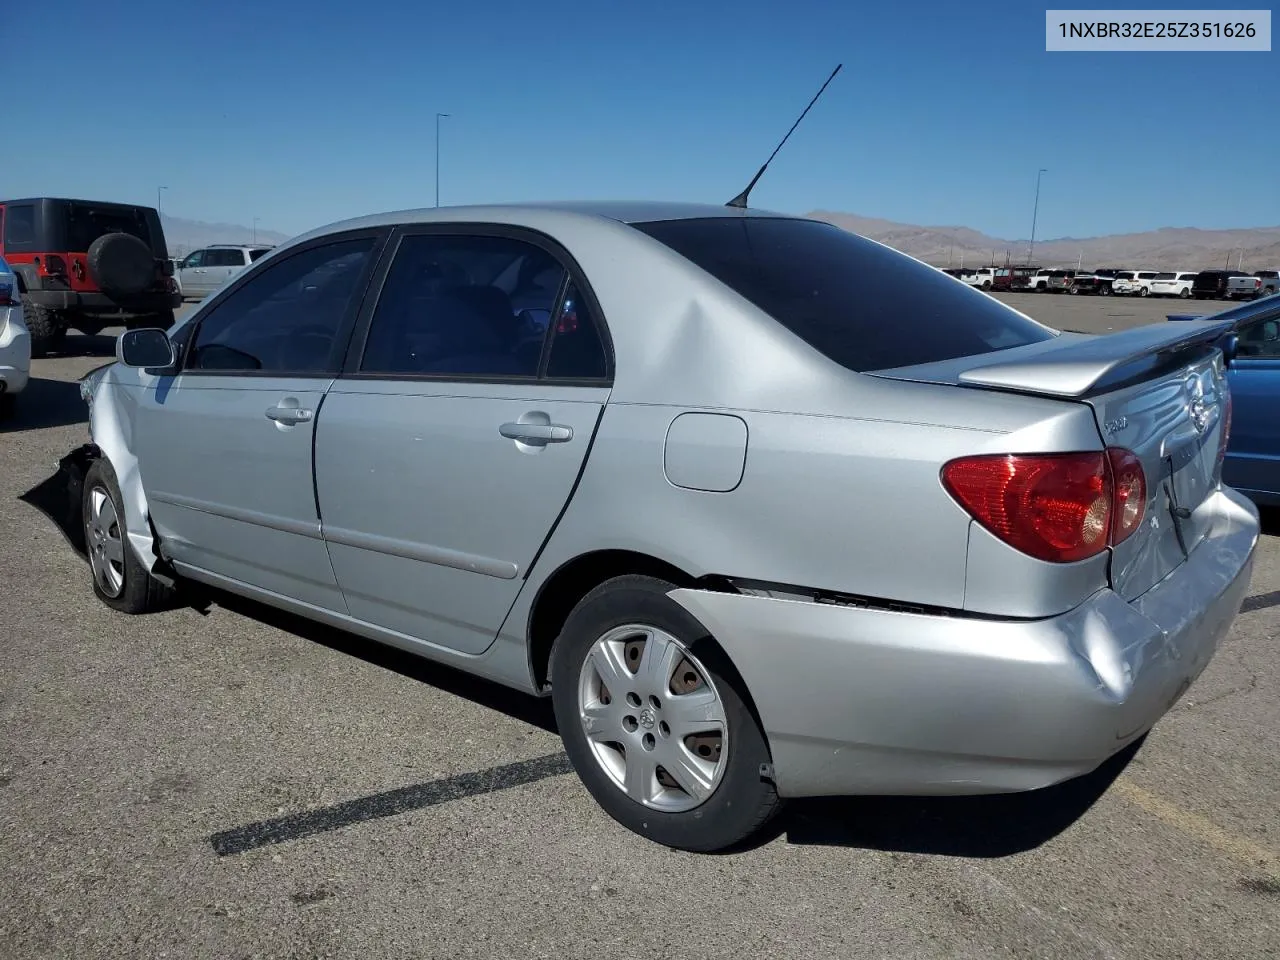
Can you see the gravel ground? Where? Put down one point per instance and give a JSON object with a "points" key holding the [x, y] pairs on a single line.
{"points": [[238, 783]]}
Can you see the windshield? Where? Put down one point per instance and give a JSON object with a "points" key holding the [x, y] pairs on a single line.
{"points": [[863, 305]]}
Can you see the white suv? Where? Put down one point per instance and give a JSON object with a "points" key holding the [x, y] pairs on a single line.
{"points": [[210, 267], [15, 341], [1129, 282], [1173, 284]]}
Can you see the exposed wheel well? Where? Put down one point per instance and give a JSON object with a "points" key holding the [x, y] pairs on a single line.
{"points": [[573, 581]]}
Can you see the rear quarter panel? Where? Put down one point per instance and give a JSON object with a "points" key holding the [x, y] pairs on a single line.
{"points": [[851, 505]]}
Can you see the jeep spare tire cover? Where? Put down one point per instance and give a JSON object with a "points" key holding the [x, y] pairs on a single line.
{"points": [[121, 264]]}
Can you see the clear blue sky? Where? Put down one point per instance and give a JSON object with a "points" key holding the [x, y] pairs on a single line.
{"points": [[304, 113]]}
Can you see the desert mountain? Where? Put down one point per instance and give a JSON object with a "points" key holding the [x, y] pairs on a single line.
{"points": [[1169, 248], [183, 236]]}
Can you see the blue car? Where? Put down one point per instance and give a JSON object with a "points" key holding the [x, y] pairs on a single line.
{"points": [[1253, 450]]}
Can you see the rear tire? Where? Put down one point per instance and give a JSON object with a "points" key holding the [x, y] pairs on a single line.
{"points": [[1184, 293], [47, 327], [119, 578], [600, 676]]}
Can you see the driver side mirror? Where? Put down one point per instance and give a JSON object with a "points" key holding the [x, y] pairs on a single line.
{"points": [[145, 348]]}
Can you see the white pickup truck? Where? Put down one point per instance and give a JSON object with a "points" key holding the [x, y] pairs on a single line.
{"points": [[980, 277]]}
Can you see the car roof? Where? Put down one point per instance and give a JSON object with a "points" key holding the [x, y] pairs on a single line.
{"points": [[92, 203], [622, 211]]}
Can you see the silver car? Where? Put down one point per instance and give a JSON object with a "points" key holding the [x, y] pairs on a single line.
{"points": [[769, 510]]}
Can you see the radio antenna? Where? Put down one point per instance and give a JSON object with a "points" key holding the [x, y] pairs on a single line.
{"points": [[740, 200]]}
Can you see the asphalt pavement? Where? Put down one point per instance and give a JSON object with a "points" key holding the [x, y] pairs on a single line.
{"points": [[232, 782]]}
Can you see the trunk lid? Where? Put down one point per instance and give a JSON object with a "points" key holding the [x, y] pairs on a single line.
{"points": [[1159, 391]]}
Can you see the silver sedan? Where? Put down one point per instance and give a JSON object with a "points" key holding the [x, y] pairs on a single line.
{"points": [[768, 509]]}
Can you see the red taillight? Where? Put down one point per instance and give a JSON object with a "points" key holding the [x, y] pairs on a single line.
{"points": [[1128, 493], [1055, 507]]}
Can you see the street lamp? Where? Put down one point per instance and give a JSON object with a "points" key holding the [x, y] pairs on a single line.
{"points": [[255, 229], [158, 190], [438, 116], [1035, 210]]}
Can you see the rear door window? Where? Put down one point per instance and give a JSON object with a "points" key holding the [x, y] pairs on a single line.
{"points": [[224, 258], [463, 306], [861, 304]]}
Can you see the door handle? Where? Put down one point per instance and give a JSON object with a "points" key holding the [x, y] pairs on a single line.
{"points": [[289, 415], [540, 433]]}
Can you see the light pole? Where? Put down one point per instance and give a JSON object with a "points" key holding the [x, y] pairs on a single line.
{"points": [[158, 191], [1035, 210], [255, 229], [438, 116]]}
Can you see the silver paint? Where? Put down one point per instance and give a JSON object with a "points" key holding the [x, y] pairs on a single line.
{"points": [[440, 517]]}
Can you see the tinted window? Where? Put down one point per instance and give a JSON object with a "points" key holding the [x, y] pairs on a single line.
{"points": [[861, 304], [1260, 339], [195, 260], [576, 349], [286, 319], [20, 225], [465, 306], [1163, 276], [86, 224], [224, 258], [255, 254]]}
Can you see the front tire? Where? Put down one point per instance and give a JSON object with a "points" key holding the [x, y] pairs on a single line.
{"points": [[654, 721], [1184, 294], [119, 578]]}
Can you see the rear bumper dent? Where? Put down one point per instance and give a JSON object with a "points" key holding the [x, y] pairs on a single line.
{"points": [[865, 701]]}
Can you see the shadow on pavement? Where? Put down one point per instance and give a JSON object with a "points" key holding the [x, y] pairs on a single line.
{"points": [[45, 403], [983, 826], [81, 345], [535, 711]]}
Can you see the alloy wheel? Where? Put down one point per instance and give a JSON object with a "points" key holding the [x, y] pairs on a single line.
{"points": [[105, 543], [653, 718]]}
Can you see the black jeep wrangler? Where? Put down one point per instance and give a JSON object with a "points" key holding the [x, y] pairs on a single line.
{"points": [[88, 265]]}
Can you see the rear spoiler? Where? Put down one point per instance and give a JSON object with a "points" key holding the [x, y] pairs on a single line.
{"points": [[1079, 368]]}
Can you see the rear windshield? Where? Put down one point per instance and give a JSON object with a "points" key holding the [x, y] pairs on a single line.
{"points": [[863, 305], [86, 223]]}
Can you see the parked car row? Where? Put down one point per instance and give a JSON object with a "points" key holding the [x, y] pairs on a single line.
{"points": [[1105, 281]]}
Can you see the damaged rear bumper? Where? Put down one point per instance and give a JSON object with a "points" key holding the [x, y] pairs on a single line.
{"points": [[856, 700]]}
